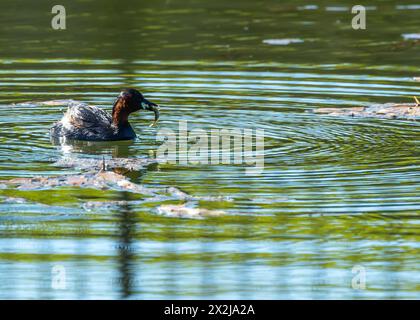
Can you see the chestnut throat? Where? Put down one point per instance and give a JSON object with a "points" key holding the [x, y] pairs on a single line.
{"points": [[120, 113]]}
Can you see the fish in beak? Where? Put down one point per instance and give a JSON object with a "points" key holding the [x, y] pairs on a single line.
{"points": [[147, 105]]}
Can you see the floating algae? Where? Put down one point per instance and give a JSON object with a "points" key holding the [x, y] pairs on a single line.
{"points": [[130, 164], [105, 180], [186, 211], [99, 180], [403, 111], [108, 180]]}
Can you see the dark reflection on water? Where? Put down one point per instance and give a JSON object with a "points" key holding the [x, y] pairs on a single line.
{"points": [[118, 149], [127, 225]]}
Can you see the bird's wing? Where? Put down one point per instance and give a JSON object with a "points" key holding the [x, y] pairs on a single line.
{"points": [[82, 115]]}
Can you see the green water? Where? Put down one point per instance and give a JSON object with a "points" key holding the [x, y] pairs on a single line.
{"points": [[335, 193]]}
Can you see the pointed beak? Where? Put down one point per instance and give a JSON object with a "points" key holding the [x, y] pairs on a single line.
{"points": [[147, 105]]}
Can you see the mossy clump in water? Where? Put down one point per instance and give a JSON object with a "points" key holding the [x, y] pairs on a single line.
{"points": [[403, 111], [187, 211], [108, 180]]}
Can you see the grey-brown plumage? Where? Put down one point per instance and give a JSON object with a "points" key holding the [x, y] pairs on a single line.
{"points": [[84, 122]]}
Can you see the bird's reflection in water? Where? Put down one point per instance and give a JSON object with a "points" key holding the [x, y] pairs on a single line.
{"points": [[79, 154], [126, 228], [118, 149]]}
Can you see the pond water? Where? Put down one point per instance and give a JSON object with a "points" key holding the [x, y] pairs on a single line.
{"points": [[337, 200]]}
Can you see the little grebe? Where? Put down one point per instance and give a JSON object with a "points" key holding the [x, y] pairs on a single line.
{"points": [[84, 122]]}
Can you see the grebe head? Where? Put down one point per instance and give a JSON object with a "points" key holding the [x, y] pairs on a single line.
{"points": [[131, 100]]}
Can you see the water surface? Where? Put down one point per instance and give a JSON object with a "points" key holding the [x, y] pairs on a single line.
{"points": [[335, 193]]}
